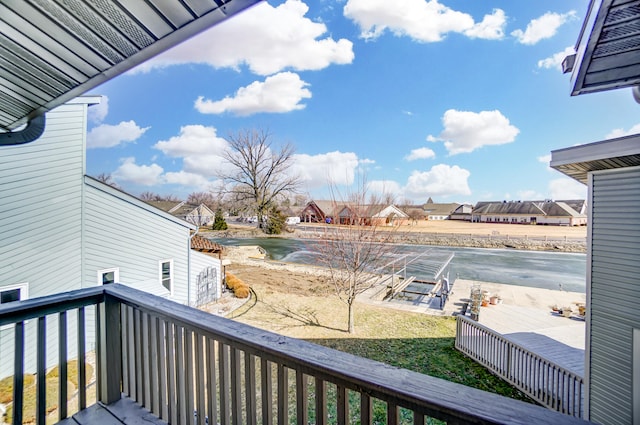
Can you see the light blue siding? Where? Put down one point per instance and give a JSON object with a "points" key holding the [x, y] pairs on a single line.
{"points": [[40, 216], [121, 231], [614, 293], [58, 228]]}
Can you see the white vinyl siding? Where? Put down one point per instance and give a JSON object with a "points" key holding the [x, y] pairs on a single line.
{"points": [[202, 264], [108, 276], [614, 293]]}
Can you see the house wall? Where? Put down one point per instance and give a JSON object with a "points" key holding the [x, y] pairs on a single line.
{"points": [[120, 231], [40, 216], [205, 268], [613, 294]]}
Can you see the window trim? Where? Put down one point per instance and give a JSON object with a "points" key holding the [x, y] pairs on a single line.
{"points": [[24, 295], [171, 276], [116, 274]]}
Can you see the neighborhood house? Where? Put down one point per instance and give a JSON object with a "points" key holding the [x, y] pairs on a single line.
{"points": [[63, 230]]}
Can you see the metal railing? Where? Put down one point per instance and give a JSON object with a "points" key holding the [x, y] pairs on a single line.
{"points": [[546, 382], [187, 366]]}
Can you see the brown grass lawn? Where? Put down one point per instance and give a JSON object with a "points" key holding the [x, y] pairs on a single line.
{"points": [[304, 306], [465, 227]]}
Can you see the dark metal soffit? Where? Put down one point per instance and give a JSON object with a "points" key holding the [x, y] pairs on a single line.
{"points": [[576, 162], [54, 50], [608, 48]]}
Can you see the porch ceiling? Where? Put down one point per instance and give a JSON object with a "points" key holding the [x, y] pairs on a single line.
{"points": [[578, 161], [608, 49], [52, 51]]}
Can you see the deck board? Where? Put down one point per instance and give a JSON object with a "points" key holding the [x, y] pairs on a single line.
{"points": [[123, 411]]}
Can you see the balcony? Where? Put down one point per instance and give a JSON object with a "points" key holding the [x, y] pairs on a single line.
{"points": [[158, 361]]}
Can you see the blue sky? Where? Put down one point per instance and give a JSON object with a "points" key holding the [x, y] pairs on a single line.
{"points": [[460, 101]]}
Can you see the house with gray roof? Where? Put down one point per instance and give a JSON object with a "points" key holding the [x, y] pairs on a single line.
{"points": [[439, 211], [318, 211], [199, 215], [557, 213]]}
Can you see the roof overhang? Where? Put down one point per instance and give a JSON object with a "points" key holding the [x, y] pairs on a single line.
{"points": [[608, 48], [578, 161], [51, 52]]}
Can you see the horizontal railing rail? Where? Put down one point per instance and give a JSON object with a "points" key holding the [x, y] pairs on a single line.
{"points": [[544, 381], [58, 305], [187, 366]]}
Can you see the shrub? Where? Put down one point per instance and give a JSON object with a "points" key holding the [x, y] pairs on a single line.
{"points": [[242, 291], [233, 281]]}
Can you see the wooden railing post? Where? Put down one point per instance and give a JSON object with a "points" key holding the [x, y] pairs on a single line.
{"points": [[110, 351]]}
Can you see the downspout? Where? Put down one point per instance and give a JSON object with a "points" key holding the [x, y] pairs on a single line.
{"points": [[189, 267], [33, 130]]}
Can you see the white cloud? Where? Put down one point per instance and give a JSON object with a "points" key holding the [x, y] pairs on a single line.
{"points": [[382, 188], [97, 113], [146, 175], [466, 131], [420, 153], [490, 28], [545, 159], [441, 180], [199, 147], [620, 132], [566, 188], [555, 61], [529, 195], [543, 27], [332, 168], [424, 21], [184, 178], [107, 136], [268, 39], [279, 93]]}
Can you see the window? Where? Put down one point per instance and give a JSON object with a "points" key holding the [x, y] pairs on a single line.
{"points": [[108, 276], [12, 293], [166, 275]]}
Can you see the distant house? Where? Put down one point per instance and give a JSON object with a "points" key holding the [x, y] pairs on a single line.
{"points": [[437, 211], [200, 215], [558, 213], [464, 212], [320, 211], [61, 230], [373, 215]]}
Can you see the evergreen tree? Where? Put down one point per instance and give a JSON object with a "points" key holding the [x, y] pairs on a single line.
{"points": [[275, 223], [218, 222]]}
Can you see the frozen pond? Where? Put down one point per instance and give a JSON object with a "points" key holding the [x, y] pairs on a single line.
{"points": [[550, 270]]}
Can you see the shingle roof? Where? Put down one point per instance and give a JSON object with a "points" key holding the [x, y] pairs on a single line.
{"points": [[547, 208], [201, 244]]}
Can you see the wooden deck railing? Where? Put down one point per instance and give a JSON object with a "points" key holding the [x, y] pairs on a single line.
{"points": [[549, 384], [187, 366]]}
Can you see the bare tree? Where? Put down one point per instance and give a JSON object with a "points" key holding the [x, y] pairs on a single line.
{"points": [[206, 198], [150, 196], [106, 178], [259, 174], [354, 252]]}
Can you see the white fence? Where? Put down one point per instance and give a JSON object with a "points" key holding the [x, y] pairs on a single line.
{"points": [[544, 381]]}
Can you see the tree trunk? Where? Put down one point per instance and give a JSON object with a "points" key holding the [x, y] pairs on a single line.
{"points": [[351, 325]]}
